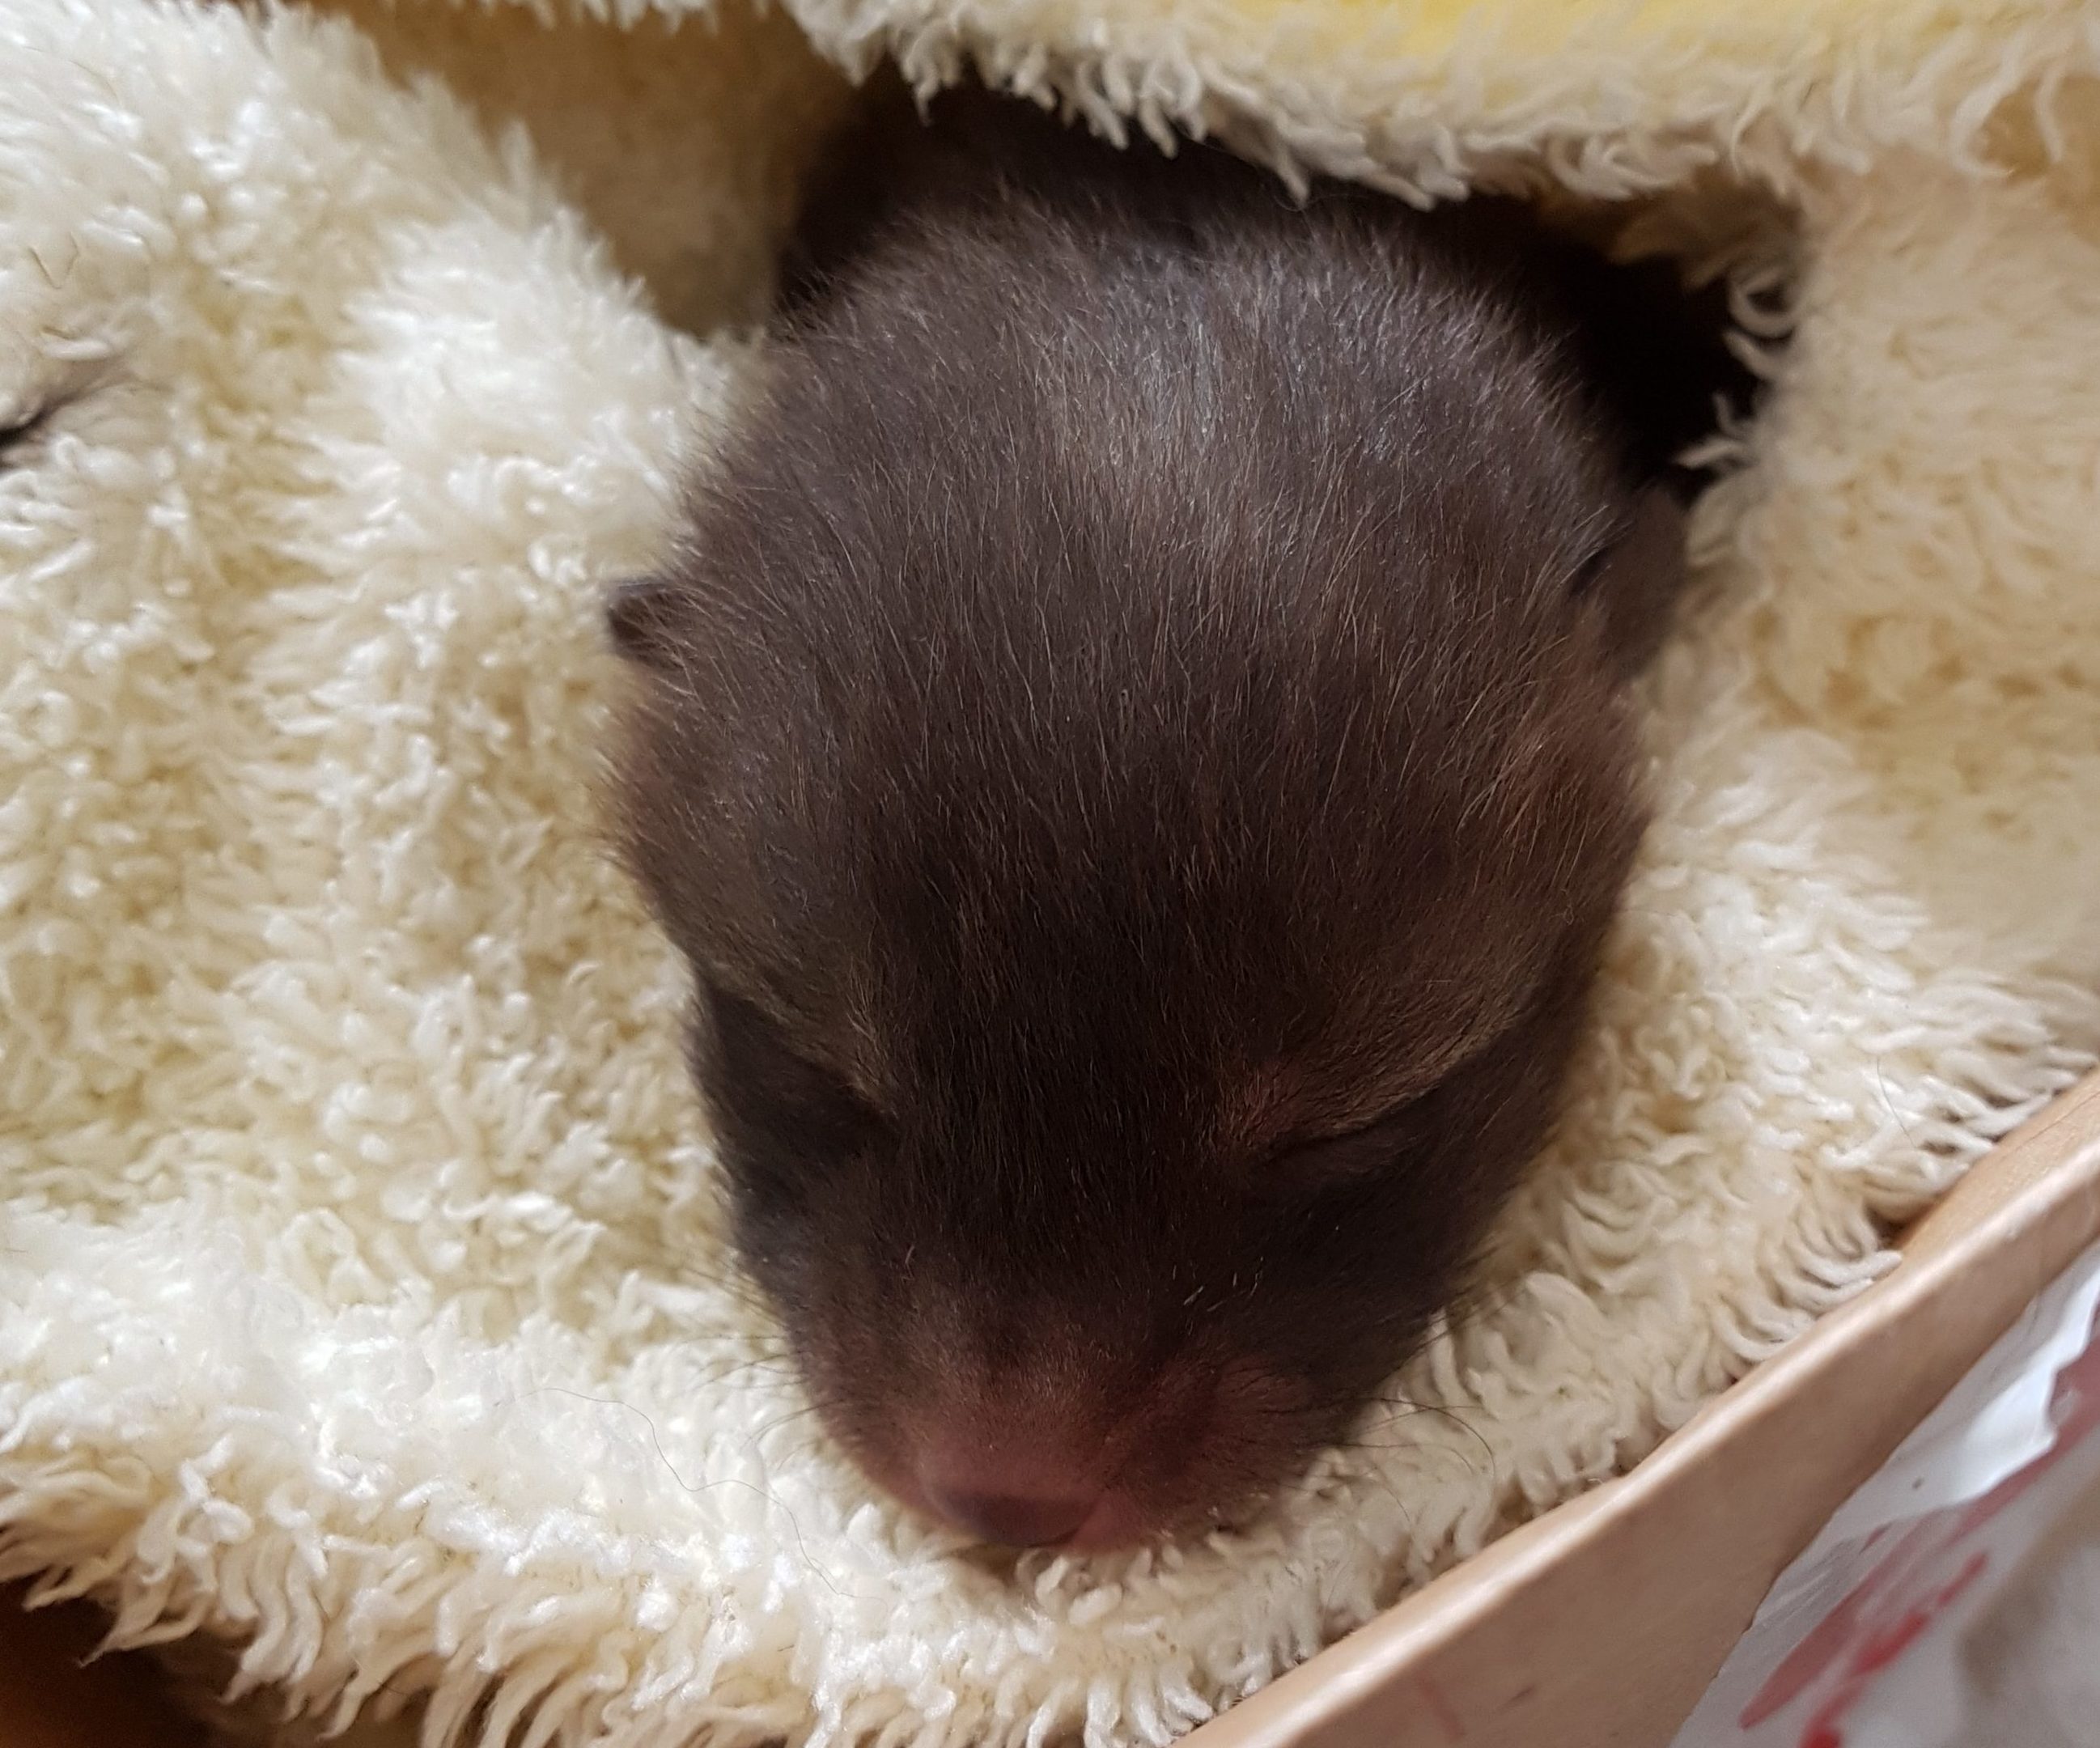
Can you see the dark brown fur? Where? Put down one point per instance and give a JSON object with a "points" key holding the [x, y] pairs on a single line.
{"points": [[1135, 750]]}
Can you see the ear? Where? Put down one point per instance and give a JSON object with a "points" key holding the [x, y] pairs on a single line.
{"points": [[643, 616], [1635, 577]]}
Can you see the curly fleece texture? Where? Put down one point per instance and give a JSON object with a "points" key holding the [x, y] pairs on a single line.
{"points": [[362, 1297]]}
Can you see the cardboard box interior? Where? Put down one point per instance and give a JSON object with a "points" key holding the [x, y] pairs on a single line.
{"points": [[1600, 1623]]}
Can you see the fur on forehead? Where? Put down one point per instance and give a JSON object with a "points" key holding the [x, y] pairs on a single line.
{"points": [[1218, 716]]}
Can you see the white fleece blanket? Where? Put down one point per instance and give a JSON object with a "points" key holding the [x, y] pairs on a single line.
{"points": [[362, 1294]]}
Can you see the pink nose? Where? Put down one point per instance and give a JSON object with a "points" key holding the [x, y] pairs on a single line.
{"points": [[1024, 1491], [1019, 1520]]}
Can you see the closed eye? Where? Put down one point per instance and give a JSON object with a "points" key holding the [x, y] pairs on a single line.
{"points": [[1358, 1155], [761, 1086]]}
